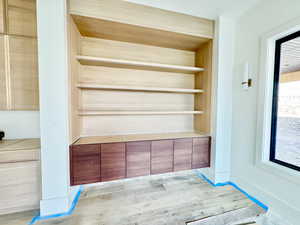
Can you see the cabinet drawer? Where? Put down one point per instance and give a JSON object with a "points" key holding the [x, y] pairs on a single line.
{"points": [[113, 165], [162, 156], [138, 158], [183, 154], [201, 152]]}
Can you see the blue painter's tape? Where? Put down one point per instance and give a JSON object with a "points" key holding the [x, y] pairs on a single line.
{"points": [[202, 176], [74, 203]]}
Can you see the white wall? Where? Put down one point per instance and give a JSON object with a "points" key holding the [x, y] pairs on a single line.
{"points": [[280, 193], [20, 124], [210, 9]]}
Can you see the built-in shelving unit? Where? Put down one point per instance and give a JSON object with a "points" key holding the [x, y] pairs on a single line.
{"points": [[138, 70], [140, 80], [136, 88]]}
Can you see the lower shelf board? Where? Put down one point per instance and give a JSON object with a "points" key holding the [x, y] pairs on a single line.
{"points": [[138, 88], [137, 137], [99, 113]]}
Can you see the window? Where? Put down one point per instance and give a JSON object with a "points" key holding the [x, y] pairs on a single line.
{"points": [[285, 126]]}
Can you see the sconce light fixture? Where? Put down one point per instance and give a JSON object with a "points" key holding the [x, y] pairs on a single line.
{"points": [[247, 81]]}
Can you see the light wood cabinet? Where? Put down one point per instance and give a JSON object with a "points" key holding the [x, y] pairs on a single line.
{"points": [[21, 17], [19, 175], [23, 73], [18, 57]]}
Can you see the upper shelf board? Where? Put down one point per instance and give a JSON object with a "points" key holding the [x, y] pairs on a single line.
{"points": [[98, 61], [135, 88], [129, 22], [97, 28]]}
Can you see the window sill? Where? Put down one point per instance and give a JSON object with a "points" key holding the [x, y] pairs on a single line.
{"points": [[278, 170]]}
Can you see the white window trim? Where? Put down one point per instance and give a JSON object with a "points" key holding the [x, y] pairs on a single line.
{"points": [[264, 107]]}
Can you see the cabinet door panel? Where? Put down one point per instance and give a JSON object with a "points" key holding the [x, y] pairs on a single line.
{"points": [[21, 17], [2, 16], [23, 73], [85, 165], [183, 154], [201, 153], [113, 165], [162, 156], [138, 158]]}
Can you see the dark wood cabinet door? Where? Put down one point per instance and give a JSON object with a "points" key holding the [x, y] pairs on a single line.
{"points": [[85, 164], [201, 153], [138, 158], [183, 154], [162, 156], [113, 161]]}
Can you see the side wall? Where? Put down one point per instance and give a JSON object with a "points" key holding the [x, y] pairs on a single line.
{"points": [[20, 124], [281, 194]]}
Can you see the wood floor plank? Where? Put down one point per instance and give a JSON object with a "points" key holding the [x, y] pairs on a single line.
{"points": [[177, 199]]}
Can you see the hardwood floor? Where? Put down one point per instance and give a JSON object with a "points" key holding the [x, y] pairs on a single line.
{"points": [[171, 199]]}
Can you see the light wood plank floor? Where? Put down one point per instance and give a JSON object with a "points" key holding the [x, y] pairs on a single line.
{"points": [[172, 199]]}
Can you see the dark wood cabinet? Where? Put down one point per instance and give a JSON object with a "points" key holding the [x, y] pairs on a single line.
{"points": [[201, 153], [138, 158], [113, 164], [183, 154], [162, 156], [85, 164], [92, 163]]}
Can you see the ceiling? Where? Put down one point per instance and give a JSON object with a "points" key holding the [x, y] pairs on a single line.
{"points": [[210, 9], [290, 56]]}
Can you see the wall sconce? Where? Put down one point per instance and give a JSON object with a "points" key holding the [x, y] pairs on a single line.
{"points": [[247, 81]]}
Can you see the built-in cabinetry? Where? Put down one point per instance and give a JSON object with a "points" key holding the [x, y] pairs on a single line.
{"points": [[19, 175], [18, 57], [138, 70], [112, 161]]}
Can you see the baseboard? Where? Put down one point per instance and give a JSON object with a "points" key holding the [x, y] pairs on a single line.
{"points": [[280, 212], [74, 196]]}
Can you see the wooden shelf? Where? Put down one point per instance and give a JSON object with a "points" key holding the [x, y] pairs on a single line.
{"points": [[99, 113], [98, 61], [102, 28], [133, 88], [137, 137]]}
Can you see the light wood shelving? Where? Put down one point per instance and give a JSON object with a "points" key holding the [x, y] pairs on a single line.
{"points": [[99, 61], [99, 113], [135, 88], [136, 70]]}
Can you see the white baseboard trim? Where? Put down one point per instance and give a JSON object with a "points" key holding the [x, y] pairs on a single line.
{"points": [[276, 205], [54, 206]]}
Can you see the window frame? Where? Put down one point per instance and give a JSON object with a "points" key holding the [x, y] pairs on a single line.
{"points": [[276, 82], [265, 82]]}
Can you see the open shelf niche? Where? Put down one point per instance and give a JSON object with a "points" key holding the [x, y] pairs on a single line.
{"points": [[131, 76]]}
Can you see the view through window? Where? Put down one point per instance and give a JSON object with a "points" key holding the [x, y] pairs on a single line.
{"points": [[285, 137]]}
